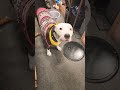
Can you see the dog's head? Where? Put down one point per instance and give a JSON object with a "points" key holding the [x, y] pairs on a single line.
{"points": [[64, 31]]}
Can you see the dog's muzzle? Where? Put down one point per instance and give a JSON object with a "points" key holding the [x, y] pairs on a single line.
{"points": [[67, 36]]}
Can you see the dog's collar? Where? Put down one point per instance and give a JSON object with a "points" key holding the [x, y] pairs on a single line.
{"points": [[51, 36]]}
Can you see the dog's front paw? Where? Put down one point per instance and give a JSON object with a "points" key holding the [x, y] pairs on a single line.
{"points": [[59, 48], [49, 53]]}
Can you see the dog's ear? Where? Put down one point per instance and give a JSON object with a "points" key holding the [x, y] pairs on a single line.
{"points": [[53, 28]]}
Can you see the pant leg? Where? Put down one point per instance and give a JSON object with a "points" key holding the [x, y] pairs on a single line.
{"points": [[6, 9], [40, 3], [14, 71]]}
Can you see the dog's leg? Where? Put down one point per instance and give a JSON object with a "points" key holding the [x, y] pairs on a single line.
{"points": [[48, 52], [59, 48]]}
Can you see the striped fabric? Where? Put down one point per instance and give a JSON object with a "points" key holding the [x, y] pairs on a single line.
{"points": [[44, 19]]}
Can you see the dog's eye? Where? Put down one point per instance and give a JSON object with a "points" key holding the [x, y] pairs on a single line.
{"points": [[60, 28], [71, 29]]}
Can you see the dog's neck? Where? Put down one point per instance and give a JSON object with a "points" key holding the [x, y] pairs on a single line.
{"points": [[53, 37], [56, 36]]}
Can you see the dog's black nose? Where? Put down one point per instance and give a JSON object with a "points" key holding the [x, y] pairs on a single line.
{"points": [[67, 36]]}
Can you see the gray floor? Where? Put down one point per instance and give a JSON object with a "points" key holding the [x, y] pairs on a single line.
{"points": [[57, 72], [114, 83]]}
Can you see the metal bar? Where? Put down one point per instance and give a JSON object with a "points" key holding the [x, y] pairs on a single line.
{"points": [[69, 9], [79, 8]]}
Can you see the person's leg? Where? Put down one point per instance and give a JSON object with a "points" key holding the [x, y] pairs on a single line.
{"points": [[40, 3], [7, 10], [14, 72]]}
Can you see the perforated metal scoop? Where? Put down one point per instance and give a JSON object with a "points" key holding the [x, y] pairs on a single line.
{"points": [[73, 51]]}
